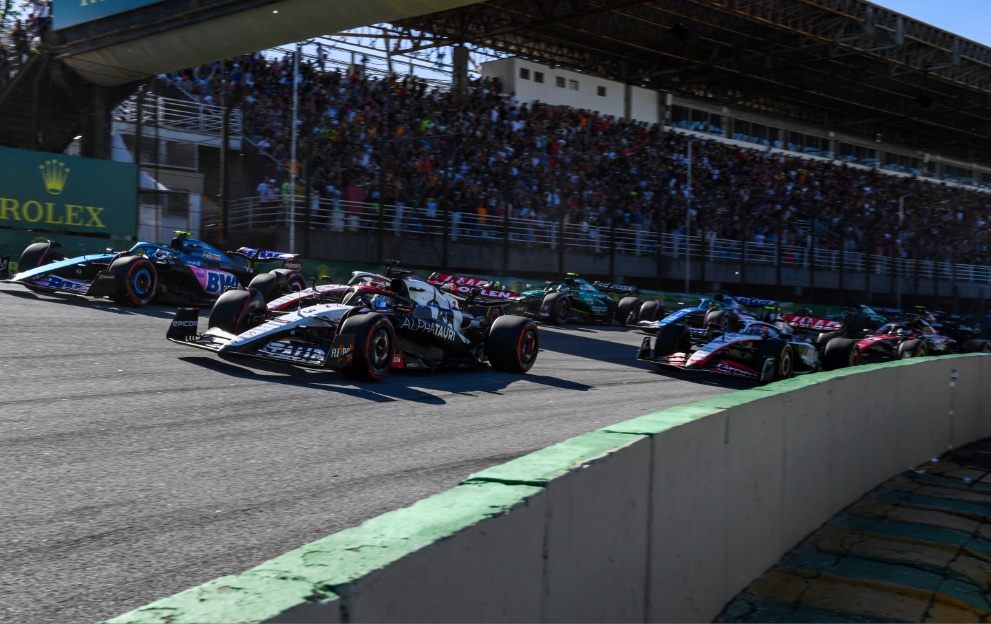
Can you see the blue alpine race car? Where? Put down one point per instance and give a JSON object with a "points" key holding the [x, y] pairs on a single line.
{"points": [[187, 271]]}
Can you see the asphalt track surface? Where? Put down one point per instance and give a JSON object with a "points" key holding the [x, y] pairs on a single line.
{"points": [[134, 468]]}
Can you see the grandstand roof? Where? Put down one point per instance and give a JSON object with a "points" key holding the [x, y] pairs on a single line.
{"points": [[846, 65]]}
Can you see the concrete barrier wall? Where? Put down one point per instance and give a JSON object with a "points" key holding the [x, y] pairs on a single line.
{"points": [[663, 518]]}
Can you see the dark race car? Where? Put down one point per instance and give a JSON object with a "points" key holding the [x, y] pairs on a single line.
{"points": [[379, 324], [758, 350], [573, 300], [187, 271], [914, 336]]}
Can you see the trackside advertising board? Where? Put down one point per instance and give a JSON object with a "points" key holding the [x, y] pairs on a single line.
{"points": [[66, 13], [58, 193]]}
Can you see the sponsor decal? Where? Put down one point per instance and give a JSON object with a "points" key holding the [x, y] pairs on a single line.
{"points": [[292, 266], [184, 323], [811, 322], [424, 326], [54, 281], [211, 256], [215, 282], [294, 353], [397, 360], [734, 368]]}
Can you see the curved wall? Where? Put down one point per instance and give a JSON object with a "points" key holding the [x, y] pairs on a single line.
{"points": [[663, 518]]}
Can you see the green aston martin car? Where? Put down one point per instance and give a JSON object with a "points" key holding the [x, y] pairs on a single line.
{"points": [[572, 300]]}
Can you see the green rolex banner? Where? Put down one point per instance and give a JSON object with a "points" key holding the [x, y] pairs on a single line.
{"points": [[60, 193]]}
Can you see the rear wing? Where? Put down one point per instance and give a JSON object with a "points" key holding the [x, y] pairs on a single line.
{"points": [[254, 256], [812, 323], [463, 285], [626, 289]]}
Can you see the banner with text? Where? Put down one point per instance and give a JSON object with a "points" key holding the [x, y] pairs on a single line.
{"points": [[62, 193], [66, 13]]}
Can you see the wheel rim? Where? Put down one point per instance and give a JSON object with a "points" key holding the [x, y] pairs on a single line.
{"points": [[563, 307], [379, 350], [785, 367], [528, 347]]}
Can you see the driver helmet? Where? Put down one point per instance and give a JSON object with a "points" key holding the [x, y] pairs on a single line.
{"points": [[379, 302]]}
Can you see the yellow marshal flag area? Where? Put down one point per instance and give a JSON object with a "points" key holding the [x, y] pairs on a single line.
{"points": [[66, 193]]}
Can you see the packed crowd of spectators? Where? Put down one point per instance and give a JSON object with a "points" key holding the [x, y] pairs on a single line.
{"points": [[27, 26], [485, 152]]}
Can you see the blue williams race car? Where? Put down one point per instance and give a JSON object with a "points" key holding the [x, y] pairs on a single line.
{"points": [[187, 271]]}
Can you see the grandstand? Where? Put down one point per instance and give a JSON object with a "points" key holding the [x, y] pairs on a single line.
{"points": [[886, 118]]}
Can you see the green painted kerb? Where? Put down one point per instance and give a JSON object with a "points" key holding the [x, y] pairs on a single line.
{"points": [[316, 571]]}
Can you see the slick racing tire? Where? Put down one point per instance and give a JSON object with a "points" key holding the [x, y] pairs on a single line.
{"points": [[649, 311], [672, 338], [488, 313], [374, 345], [840, 353], [37, 254], [628, 309], [271, 285], [236, 311], [513, 344], [976, 345], [718, 320], [294, 279], [559, 306], [135, 280], [784, 359], [911, 348]]}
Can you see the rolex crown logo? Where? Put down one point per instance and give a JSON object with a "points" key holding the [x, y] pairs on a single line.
{"points": [[54, 173]]}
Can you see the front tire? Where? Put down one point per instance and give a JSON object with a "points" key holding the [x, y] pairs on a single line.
{"points": [[374, 345], [559, 307], [135, 280], [513, 344], [650, 311], [784, 359], [672, 338], [237, 311], [911, 348]]}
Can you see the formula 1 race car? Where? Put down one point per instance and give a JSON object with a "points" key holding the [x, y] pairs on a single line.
{"points": [[760, 350], [914, 336], [187, 271], [403, 322], [574, 300]]}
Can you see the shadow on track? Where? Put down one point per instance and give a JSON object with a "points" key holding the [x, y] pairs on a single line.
{"points": [[81, 301], [413, 386]]}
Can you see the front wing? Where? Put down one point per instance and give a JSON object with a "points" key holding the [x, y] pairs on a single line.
{"points": [[713, 364], [185, 330]]}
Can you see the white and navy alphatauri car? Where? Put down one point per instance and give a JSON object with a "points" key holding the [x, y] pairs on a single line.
{"points": [[378, 325]]}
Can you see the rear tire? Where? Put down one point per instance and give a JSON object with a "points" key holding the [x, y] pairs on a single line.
{"points": [[37, 254], [840, 353], [236, 311], [559, 307], [374, 345], [717, 320], [135, 280], [627, 309], [271, 285], [513, 344], [976, 345]]}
